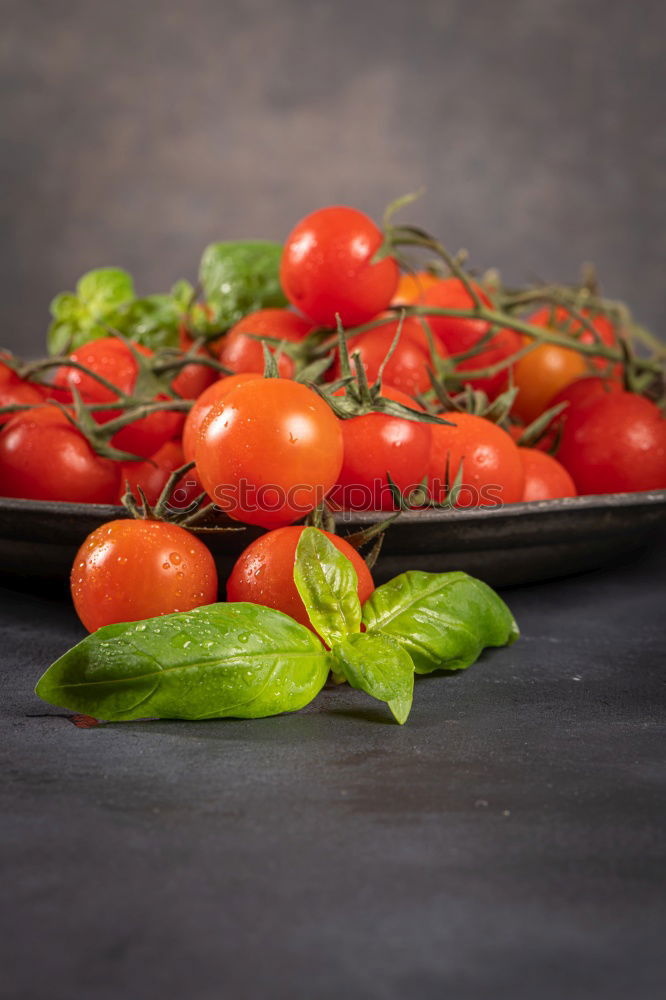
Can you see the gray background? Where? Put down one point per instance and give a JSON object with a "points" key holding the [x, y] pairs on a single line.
{"points": [[135, 132]]}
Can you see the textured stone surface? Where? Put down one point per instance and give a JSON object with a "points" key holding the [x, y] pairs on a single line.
{"points": [[507, 842], [134, 133]]}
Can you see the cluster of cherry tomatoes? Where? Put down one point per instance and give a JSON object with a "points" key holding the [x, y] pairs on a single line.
{"points": [[267, 451]]}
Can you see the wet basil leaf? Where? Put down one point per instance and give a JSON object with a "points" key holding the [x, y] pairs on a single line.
{"points": [[443, 620], [328, 585], [238, 278], [380, 666], [224, 660]]}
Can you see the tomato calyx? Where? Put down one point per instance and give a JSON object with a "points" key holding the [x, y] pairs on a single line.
{"points": [[322, 517], [352, 395]]}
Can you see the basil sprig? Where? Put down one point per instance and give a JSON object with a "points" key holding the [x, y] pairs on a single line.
{"points": [[248, 661]]}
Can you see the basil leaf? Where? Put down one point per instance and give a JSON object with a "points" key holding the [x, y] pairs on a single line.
{"points": [[84, 315], [443, 620], [104, 289], [377, 664], [238, 278], [328, 585], [225, 660]]}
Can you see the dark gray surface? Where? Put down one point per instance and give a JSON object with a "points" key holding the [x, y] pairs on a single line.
{"points": [[134, 133], [506, 843]]}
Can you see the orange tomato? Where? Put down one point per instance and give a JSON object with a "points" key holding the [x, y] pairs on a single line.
{"points": [[541, 374], [412, 287]]}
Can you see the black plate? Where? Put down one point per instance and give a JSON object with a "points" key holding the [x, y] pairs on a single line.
{"points": [[518, 543]]}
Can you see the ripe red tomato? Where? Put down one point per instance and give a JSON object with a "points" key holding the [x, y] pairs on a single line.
{"points": [[376, 444], [44, 457], [16, 390], [541, 374], [113, 359], [240, 352], [269, 452], [264, 573], [407, 368], [194, 379], [460, 334], [615, 444], [561, 320], [412, 287], [492, 471], [583, 391], [545, 478], [204, 405], [129, 570], [153, 474], [327, 268]]}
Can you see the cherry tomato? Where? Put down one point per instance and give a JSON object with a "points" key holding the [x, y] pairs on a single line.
{"points": [[407, 368], [492, 471], [111, 358], [240, 352], [542, 373], [269, 452], [615, 444], [461, 334], [327, 268], [545, 478], [583, 391], [264, 573], [16, 390], [376, 444], [561, 320], [412, 287], [204, 404], [44, 457], [194, 379], [129, 570], [153, 474]]}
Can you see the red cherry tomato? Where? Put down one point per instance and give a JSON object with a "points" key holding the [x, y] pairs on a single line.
{"points": [[561, 320], [204, 405], [327, 268], [616, 444], [44, 457], [376, 445], [16, 390], [460, 334], [269, 452], [545, 478], [153, 474], [111, 358], [583, 391], [264, 573], [407, 368], [129, 570], [194, 379], [492, 471], [241, 352]]}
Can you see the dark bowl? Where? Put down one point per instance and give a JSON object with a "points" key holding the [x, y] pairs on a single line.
{"points": [[517, 543]]}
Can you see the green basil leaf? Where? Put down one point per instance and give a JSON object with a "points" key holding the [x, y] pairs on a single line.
{"points": [[153, 321], [238, 278], [328, 585], [225, 660], [104, 289], [84, 316], [443, 620], [380, 666]]}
